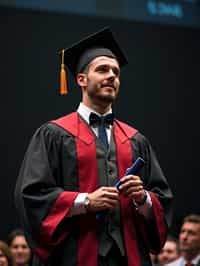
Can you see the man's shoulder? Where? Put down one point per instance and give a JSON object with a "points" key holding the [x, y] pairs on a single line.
{"points": [[65, 118], [177, 262], [58, 125], [123, 123], [132, 132], [128, 129]]}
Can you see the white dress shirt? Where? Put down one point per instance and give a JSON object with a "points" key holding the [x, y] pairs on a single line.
{"points": [[182, 261]]}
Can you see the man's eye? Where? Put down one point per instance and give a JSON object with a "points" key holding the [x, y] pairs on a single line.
{"points": [[102, 69], [116, 72]]}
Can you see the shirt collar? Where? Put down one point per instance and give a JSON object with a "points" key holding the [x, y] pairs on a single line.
{"points": [[85, 111], [194, 261]]}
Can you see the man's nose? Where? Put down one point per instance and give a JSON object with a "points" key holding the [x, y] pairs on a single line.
{"points": [[111, 74], [165, 255], [184, 235]]}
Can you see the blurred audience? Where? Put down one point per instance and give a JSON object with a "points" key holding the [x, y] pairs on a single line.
{"points": [[19, 248], [189, 242], [154, 259], [169, 252], [5, 255]]}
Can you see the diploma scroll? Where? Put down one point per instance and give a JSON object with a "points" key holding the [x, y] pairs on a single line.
{"points": [[133, 170]]}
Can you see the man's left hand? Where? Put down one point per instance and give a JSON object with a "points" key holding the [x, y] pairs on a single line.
{"points": [[132, 187]]}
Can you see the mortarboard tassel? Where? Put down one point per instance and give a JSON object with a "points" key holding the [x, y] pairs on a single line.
{"points": [[63, 77]]}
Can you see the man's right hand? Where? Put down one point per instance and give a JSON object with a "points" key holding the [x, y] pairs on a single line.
{"points": [[104, 198]]}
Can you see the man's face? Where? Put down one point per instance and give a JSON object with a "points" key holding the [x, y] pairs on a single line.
{"points": [[102, 80], [189, 238], [169, 253]]}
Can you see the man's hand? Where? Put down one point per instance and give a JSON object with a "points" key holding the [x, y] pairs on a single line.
{"points": [[132, 187], [104, 198]]}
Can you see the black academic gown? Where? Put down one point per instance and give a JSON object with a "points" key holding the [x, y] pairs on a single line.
{"points": [[60, 163]]}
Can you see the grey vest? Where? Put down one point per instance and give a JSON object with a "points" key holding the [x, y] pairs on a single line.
{"points": [[110, 226]]}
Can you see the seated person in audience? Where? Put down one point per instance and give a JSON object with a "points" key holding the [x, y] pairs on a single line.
{"points": [[19, 248], [169, 252], [189, 242], [6, 258]]}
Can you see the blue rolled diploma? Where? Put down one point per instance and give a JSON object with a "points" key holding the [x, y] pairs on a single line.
{"points": [[133, 170]]}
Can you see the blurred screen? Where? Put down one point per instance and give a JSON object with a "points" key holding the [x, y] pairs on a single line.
{"points": [[176, 12]]}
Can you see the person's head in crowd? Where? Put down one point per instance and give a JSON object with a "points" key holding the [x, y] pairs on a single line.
{"points": [[19, 247], [189, 237], [6, 258], [169, 252]]}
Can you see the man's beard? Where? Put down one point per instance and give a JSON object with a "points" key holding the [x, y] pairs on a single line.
{"points": [[106, 98], [102, 98]]}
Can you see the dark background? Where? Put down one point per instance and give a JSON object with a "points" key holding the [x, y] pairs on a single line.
{"points": [[159, 94]]}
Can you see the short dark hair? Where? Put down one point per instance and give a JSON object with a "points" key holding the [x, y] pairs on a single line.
{"points": [[192, 218], [172, 238], [13, 234]]}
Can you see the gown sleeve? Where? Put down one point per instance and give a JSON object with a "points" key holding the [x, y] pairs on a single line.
{"points": [[155, 229], [42, 203]]}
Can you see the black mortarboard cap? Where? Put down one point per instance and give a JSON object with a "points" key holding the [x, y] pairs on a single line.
{"points": [[80, 54]]}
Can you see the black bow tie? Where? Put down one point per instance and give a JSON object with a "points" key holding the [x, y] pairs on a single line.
{"points": [[97, 120]]}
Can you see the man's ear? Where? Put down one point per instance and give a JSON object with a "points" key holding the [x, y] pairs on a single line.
{"points": [[81, 79]]}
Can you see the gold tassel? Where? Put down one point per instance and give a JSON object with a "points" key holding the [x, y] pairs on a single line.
{"points": [[63, 77]]}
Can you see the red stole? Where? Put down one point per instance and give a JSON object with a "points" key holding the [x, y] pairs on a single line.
{"points": [[88, 180]]}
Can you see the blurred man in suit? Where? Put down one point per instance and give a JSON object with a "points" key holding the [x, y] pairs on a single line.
{"points": [[189, 242], [170, 251]]}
